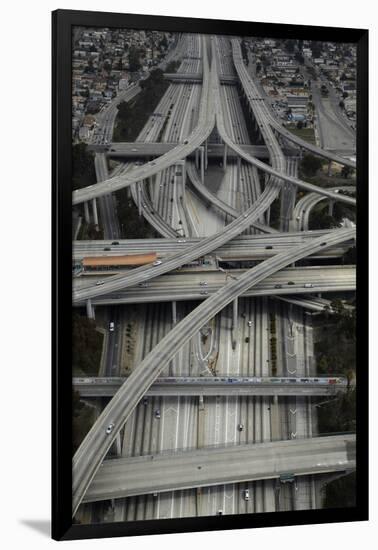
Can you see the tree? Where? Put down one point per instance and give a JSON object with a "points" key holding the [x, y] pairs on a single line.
{"points": [[299, 125], [134, 59], [342, 105], [83, 170], [310, 165], [346, 171]]}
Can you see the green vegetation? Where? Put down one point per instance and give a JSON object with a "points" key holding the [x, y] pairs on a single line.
{"points": [[132, 225], [83, 418], [338, 415], [335, 353], [341, 493], [83, 170], [133, 115], [134, 59], [310, 165], [273, 345], [305, 133], [350, 258], [86, 346]]}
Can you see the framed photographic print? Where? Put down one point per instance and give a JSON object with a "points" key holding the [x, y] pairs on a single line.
{"points": [[210, 274]]}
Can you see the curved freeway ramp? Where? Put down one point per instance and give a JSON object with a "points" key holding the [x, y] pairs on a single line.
{"points": [[125, 477], [96, 444]]}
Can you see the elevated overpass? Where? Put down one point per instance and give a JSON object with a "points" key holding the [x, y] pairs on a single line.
{"points": [[243, 247], [125, 477], [218, 386], [97, 442], [191, 284]]}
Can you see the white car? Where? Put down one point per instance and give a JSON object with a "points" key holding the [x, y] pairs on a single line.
{"points": [[111, 326], [99, 283], [158, 262], [246, 494], [109, 429]]}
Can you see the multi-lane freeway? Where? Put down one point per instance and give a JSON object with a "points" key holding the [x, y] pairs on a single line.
{"points": [[197, 122]]}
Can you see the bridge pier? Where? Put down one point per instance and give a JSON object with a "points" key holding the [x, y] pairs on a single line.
{"points": [[118, 444], [329, 172], [90, 309], [139, 198], [202, 153], [86, 212], [174, 312], [234, 322], [225, 157], [206, 156], [330, 207], [95, 214]]}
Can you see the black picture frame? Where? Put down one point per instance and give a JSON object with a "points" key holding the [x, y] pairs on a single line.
{"points": [[62, 23]]}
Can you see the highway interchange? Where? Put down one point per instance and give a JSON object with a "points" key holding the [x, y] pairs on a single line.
{"points": [[228, 222]]}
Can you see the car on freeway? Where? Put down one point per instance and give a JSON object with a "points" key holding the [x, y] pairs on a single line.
{"points": [[109, 429], [291, 283], [186, 142], [277, 286], [203, 283], [157, 262], [134, 150], [111, 326], [249, 323], [268, 247], [246, 494], [100, 283], [157, 413], [107, 249], [145, 400], [204, 292], [220, 513], [308, 285], [143, 285], [115, 242], [240, 427], [323, 244], [181, 241]]}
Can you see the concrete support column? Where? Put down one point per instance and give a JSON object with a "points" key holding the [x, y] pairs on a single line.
{"points": [[238, 172], [331, 204], [90, 309], [139, 198], [202, 152], [206, 159], [234, 322], [86, 212], [95, 214], [118, 445], [225, 157], [196, 156], [329, 173], [174, 312], [183, 180]]}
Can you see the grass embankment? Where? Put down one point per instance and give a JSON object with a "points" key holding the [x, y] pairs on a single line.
{"points": [[341, 493], [133, 115], [307, 134], [335, 353], [87, 345], [132, 225]]}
